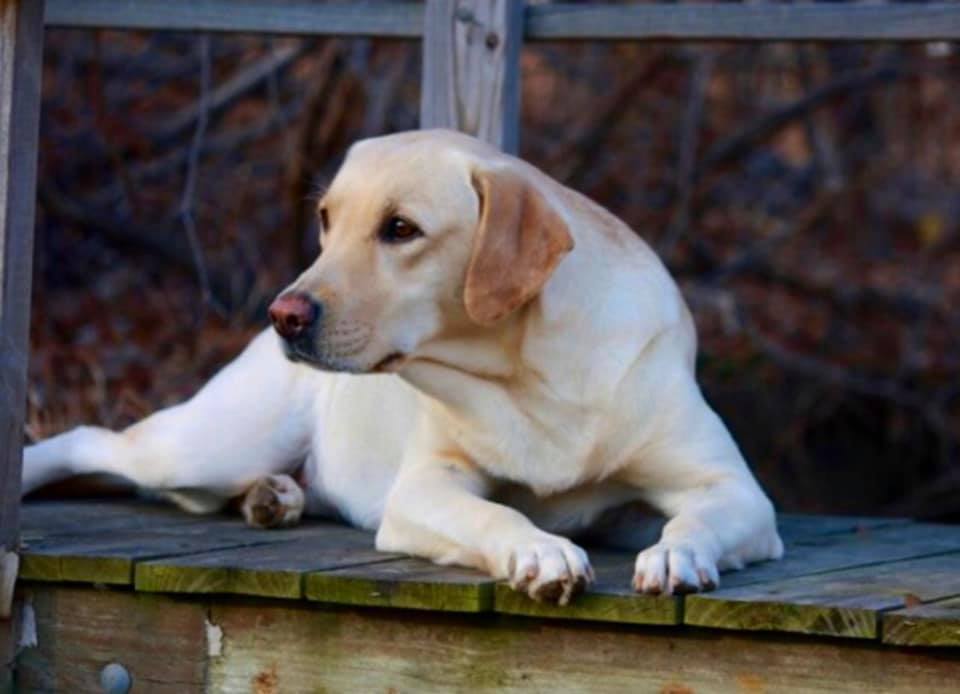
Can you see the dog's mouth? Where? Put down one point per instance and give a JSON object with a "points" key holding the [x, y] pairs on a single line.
{"points": [[301, 354], [390, 363], [297, 353]]}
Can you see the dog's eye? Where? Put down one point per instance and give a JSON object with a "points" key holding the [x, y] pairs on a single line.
{"points": [[399, 230]]}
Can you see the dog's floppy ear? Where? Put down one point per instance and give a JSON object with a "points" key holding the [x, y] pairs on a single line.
{"points": [[518, 243]]}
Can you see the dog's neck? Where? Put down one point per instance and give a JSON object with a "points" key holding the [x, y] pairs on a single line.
{"points": [[472, 352], [522, 356]]}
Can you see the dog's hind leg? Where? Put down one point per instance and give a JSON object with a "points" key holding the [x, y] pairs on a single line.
{"points": [[79, 451], [254, 418]]}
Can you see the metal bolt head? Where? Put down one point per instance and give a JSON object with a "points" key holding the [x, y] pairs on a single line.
{"points": [[492, 40], [115, 679]]}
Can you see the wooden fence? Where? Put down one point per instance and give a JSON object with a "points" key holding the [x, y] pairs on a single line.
{"points": [[471, 51]]}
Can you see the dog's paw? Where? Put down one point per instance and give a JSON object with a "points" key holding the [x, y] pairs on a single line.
{"points": [[274, 501], [549, 569], [674, 568]]}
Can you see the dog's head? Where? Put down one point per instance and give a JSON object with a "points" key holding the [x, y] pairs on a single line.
{"points": [[421, 233]]}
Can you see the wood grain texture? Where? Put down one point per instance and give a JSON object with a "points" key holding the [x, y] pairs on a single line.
{"points": [[110, 559], [301, 17], [839, 577], [844, 603], [44, 520], [269, 570], [610, 598], [595, 21], [339, 650], [100, 542], [404, 583], [814, 554], [797, 526], [244, 645], [936, 624], [745, 22], [598, 605], [471, 69], [814, 545], [161, 642], [21, 61], [635, 527]]}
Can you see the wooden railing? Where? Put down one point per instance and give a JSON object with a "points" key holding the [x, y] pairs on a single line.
{"points": [[904, 21], [470, 81]]}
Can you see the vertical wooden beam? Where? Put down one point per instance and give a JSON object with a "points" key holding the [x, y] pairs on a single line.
{"points": [[471, 68], [21, 50]]}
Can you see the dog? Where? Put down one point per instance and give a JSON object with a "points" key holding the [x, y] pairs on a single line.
{"points": [[479, 361]]}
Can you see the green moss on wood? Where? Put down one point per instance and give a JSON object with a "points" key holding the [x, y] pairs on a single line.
{"points": [[936, 624], [768, 615], [157, 577], [600, 607], [81, 569], [405, 583]]}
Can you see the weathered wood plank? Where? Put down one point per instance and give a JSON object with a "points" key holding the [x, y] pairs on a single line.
{"points": [[610, 598], [46, 519], [21, 63], [798, 526], [634, 527], [100, 542], [596, 21], [745, 22], [177, 645], [936, 624], [807, 555], [844, 603], [285, 647], [471, 69], [405, 583], [161, 642], [301, 17], [814, 545], [168, 550], [110, 559], [268, 570]]}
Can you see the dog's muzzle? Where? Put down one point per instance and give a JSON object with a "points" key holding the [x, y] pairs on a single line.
{"points": [[294, 315]]}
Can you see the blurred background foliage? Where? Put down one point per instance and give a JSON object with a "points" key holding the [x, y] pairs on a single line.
{"points": [[805, 196]]}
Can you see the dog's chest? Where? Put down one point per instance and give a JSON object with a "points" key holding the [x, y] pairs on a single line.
{"points": [[549, 447]]}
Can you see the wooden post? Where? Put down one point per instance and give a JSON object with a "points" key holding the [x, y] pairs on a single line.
{"points": [[21, 50], [471, 68]]}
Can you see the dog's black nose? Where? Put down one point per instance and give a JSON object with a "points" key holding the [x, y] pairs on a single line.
{"points": [[293, 313]]}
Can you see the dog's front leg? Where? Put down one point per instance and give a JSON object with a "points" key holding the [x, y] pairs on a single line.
{"points": [[437, 510], [722, 525], [718, 517]]}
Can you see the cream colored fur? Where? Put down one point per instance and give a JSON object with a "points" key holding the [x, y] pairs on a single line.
{"points": [[585, 395]]}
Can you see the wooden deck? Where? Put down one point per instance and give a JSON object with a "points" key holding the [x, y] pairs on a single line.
{"points": [[92, 573]]}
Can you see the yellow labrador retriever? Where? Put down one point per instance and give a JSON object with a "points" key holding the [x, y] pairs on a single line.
{"points": [[523, 335]]}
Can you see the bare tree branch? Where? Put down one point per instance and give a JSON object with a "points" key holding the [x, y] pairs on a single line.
{"points": [[188, 198], [741, 141], [225, 95], [689, 143]]}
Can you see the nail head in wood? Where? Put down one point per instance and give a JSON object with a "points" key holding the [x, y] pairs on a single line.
{"points": [[115, 679]]}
